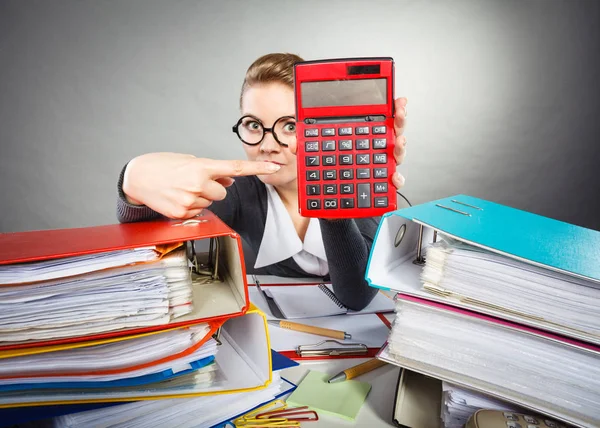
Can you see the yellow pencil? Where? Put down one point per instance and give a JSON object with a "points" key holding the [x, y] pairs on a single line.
{"points": [[336, 334]]}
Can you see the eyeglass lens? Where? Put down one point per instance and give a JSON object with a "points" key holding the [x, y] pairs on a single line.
{"points": [[251, 130]]}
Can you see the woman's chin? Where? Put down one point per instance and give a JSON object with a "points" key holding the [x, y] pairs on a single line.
{"points": [[276, 179]]}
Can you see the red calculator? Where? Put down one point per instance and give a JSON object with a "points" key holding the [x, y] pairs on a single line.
{"points": [[345, 135]]}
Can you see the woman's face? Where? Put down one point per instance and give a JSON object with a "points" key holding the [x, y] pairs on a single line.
{"points": [[269, 102]]}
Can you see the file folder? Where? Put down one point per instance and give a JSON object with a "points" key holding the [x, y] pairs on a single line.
{"points": [[243, 362], [546, 245], [474, 363], [228, 297]]}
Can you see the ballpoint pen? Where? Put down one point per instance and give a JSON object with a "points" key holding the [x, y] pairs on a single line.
{"points": [[355, 371], [336, 334]]}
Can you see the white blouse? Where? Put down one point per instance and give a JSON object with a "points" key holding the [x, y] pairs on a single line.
{"points": [[281, 241]]}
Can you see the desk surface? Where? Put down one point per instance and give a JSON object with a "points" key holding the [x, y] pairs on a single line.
{"points": [[378, 407]]}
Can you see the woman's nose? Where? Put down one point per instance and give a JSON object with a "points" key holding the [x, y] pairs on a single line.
{"points": [[269, 144]]}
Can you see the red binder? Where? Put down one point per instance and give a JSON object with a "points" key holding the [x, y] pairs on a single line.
{"points": [[227, 299]]}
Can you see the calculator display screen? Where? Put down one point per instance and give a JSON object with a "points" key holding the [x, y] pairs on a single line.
{"points": [[339, 93]]}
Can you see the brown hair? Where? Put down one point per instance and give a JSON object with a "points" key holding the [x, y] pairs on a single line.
{"points": [[274, 67]]}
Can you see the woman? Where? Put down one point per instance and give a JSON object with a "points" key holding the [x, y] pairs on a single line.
{"points": [[261, 204]]}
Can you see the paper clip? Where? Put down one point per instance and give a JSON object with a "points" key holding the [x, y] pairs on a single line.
{"points": [[295, 411], [280, 417], [342, 349]]}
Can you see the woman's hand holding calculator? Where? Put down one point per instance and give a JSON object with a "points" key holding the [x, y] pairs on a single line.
{"points": [[181, 186]]}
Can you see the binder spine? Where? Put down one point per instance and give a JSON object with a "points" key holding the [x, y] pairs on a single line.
{"points": [[332, 296]]}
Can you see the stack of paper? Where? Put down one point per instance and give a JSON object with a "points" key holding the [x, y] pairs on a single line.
{"points": [[191, 413], [458, 404], [465, 272], [505, 302], [85, 295]]}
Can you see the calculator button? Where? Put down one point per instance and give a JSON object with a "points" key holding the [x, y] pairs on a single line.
{"points": [[345, 131], [313, 204], [327, 132], [312, 160], [329, 160], [380, 172], [362, 159], [311, 146], [364, 196], [362, 130], [380, 188], [330, 189], [511, 416], [328, 145], [379, 129], [362, 144], [380, 158], [330, 174], [345, 144], [363, 173], [347, 189], [346, 174], [550, 424], [313, 189], [330, 204], [531, 420], [381, 202], [311, 132], [345, 159], [511, 424], [347, 202], [312, 175], [379, 143]]}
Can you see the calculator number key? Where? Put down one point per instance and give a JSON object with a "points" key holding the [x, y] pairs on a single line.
{"points": [[313, 189], [329, 160], [346, 174], [330, 204], [329, 174], [312, 175], [313, 204], [330, 189], [347, 189], [312, 160], [345, 159]]}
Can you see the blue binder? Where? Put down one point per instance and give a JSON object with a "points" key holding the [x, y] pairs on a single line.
{"points": [[549, 244], [532, 238]]}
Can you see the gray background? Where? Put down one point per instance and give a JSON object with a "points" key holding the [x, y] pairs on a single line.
{"points": [[503, 97]]}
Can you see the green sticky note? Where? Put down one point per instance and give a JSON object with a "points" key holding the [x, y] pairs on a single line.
{"points": [[342, 399]]}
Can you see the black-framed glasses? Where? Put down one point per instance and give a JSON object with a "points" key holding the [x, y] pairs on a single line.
{"points": [[251, 131]]}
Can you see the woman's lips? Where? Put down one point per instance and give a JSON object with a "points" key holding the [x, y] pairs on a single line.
{"points": [[276, 163]]}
